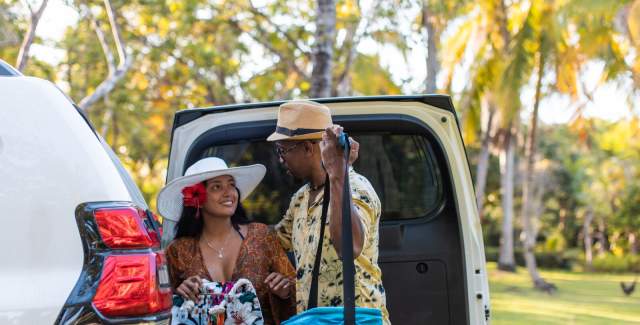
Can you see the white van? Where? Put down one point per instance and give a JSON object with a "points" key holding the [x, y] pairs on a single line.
{"points": [[431, 248], [79, 244]]}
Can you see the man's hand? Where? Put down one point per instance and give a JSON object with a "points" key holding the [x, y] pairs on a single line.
{"points": [[334, 164], [353, 153], [332, 153]]}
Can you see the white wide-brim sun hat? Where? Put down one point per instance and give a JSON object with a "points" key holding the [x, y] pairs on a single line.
{"points": [[246, 177]]}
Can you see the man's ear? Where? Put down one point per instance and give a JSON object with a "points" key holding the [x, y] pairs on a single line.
{"points": [[309, 148]]}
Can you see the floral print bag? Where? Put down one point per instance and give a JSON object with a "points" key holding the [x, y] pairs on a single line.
{"points": [[226, 303]]}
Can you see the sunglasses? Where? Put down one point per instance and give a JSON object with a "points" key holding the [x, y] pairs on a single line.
{"points": [[281, 152]]}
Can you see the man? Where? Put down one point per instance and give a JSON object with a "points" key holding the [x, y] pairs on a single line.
{"points": [[307, 145]]}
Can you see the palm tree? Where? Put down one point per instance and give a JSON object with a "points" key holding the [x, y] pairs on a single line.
{"points": [[486, 32], [628, 20], [498, 81], [540, 16], [476, 34], [546, 31]]}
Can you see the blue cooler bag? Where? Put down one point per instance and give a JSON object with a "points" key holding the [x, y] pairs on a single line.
{"points": [[335, 316], [349, 314]]}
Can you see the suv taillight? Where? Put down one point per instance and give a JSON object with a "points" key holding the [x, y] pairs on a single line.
{"points": [[133, 285], [134, 280], [154, 226], [125, 227], [124, 276]]}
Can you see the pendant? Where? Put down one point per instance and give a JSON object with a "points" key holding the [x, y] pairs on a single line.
{"points": [[220, 255]]}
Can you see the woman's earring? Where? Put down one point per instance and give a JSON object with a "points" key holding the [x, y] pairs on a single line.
{"points": [[198, 212]]}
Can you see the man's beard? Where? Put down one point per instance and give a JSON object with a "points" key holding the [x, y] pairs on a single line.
{"points": [[295, 179]]}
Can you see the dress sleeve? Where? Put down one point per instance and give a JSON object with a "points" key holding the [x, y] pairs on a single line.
{"points": [[282, 309], [173, 263]]}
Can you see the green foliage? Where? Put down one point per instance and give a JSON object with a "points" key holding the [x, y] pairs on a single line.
{"points": [[616, 264], [371, 78], [544, 259], [12, 27], [555, 243]]}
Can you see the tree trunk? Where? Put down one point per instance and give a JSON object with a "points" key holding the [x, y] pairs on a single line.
{"points": [[529, 238], [602, 237], [344, 87], [633, 243], [483, 165], [115, 73], [433, 66], [343, 82], [506, 260], [588, 240], [321, 74], [23, 54]]}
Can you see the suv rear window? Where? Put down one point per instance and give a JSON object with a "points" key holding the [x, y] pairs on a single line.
{"points": [[401, 167]]}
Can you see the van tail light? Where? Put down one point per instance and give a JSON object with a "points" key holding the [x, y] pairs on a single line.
{"points": [[133, 285], [126, 227]]}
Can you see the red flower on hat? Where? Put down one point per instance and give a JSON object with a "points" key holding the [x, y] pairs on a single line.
{"points": [[194, 196]]}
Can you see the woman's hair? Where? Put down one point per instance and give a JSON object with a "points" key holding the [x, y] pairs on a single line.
{"points": [[189, 226]]}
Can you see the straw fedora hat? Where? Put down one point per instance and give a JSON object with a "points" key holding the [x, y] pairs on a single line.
{"points": [[170, 197], [301, 120]]}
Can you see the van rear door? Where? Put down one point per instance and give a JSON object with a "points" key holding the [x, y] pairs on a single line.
{"points": [[431, 248]]}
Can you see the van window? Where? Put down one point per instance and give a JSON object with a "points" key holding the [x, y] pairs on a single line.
{"points": [[401, 167]]}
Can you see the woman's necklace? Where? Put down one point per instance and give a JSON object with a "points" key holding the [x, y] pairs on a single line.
{"points": [[220, 249]]}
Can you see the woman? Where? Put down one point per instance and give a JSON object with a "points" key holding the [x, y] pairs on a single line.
{"points": [[215, 241]]}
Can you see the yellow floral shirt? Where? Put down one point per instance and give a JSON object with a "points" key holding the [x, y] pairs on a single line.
{"points": [[298, 231]]}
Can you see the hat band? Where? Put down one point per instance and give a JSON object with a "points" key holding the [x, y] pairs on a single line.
{"points": [[291, 133]]}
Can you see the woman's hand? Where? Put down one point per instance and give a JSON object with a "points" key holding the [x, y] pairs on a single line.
{"points": [[279, 285], [190, 288]]}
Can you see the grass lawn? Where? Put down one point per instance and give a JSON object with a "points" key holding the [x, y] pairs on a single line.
{"points": [[582, 298]]}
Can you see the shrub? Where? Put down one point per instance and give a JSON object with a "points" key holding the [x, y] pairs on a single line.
{"points": [[573, 257], [553, 260], [555, 242], [549, 260], [616, 264]]}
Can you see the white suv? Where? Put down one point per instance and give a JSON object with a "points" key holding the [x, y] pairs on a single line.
{"points": [[79, 244], [431, 248]]}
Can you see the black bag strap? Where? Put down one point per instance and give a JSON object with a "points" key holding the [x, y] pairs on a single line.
{"points": [[348, 267], [313, 291]]}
